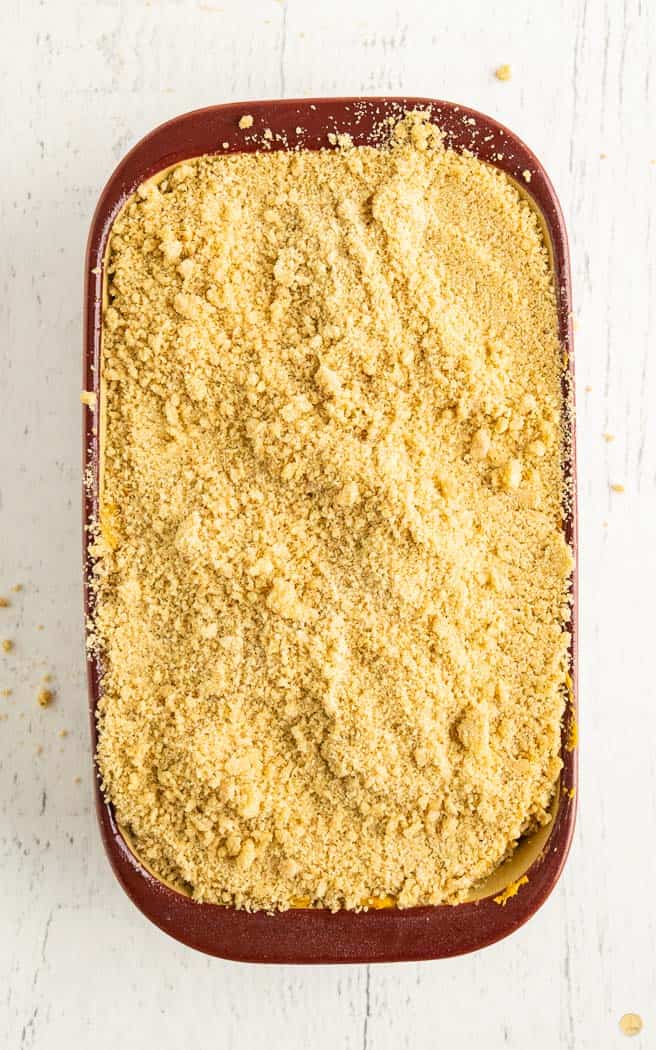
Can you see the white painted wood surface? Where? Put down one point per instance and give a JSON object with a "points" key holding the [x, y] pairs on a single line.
{"points": [[79, 83]]}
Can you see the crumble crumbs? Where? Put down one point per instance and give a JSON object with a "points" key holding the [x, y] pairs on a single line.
{"points": [[631, 1024], [331, 574], [503, 72], [511, 891]]}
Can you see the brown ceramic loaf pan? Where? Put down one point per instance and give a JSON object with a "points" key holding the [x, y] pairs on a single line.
{"points": [[524, 882]]}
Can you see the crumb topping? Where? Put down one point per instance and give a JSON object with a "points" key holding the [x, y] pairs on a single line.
{"points": [[332, 579]]}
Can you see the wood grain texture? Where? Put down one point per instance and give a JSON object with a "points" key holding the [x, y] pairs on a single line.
{"points": [[79, 83]]}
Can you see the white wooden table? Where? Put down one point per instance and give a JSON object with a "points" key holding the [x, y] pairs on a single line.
{"points": [[79, 83]]}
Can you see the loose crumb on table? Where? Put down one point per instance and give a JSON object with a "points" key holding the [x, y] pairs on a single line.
{"points": [[503, 72], [631, 1024]]}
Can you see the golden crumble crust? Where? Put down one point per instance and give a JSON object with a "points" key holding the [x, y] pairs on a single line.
{"points": [[332, 579]]}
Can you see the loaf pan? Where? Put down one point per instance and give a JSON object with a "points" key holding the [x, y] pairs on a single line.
{"points": [[311, 935]]}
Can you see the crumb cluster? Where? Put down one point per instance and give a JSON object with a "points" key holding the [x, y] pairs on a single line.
{"points": [[332, 579], [45, 697]]}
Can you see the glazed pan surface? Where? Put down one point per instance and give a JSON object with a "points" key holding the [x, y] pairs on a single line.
{"points": [[523, 883]]}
